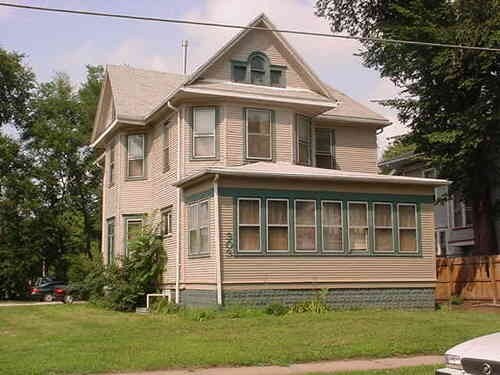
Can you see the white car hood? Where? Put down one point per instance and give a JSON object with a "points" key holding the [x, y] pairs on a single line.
{"points": [[484, 347]]}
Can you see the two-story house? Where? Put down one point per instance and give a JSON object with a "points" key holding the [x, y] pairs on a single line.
{"points": [[266, 180]]}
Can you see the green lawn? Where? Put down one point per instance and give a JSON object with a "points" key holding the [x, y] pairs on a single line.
{"points": [[84, 339], [420, 370]]}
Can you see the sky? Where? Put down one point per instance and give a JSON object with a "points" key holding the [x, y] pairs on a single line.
{"points": [[67, 43]]}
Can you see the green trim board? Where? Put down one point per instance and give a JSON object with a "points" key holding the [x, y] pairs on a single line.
{"points": [[370, 252], [325, 195], [199, 196]]}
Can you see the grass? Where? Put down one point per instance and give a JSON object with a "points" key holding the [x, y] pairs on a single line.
{"points": [[419, 370], [64, 339]]}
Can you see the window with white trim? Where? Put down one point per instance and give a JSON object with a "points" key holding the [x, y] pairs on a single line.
{"points": [[441, 242], [198, 228], [111, 169], [383, 227], [133, 229], [135, 153], [277, 225], [303, 140], [305, 225], [462, 212], [358, 226], [166, 221], [325, 148], [258, 134], [249, 236], [407, 223], [332, 224], [166, 147], [204, 119], [111, 239]]}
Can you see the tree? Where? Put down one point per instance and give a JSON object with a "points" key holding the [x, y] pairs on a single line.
{"points": [[16, 85], [450, 97]]}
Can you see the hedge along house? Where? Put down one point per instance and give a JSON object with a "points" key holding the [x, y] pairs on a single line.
{"points": [[266, 181]]}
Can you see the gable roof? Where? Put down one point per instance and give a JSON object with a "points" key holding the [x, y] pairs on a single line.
{"points": [[255, 25], [286, 170]]}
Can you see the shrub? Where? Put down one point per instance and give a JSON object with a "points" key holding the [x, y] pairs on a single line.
{"points": [[276, 309], [86, 275], [456, 300], [316, 305], [163, 306]]}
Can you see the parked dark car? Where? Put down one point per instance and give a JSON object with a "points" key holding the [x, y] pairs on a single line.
{"points": [[48, 289]]}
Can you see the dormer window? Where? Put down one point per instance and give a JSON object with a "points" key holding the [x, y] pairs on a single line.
{"points": [[257, 70]]}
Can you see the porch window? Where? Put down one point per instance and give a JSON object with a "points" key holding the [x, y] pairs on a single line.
{"points": [[277, 225], [204, 132], [303, 140], [111, 169], [166, 147], [358, 226], [135, 152], [166, 221], [111, 240], [133, 228], [407, 220], [325, 143], [258, 134], [305, 225], [249, 237], [331, 221], [383, 224], [198, 228]]}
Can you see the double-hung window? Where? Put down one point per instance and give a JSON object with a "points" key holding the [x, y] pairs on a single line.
{"points": [[135, 152], [111, 169], [133, 229], [407, 220], [249, 236], [325, 143], [277, 225], [305, 225], [383, 224], [358, 226], [198, 228], [204, 119], [303, 140], [111, 239], [166, 221], [258, 134], [258, 70], [332, 220], [166, 147]]}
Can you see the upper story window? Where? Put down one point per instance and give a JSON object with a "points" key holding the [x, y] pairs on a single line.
{"points": [[325, 148], [166, 147], [111, 239], [111, 170], [204, 122], [304, 144], [258, 134], [257, 70], [135, 156]]}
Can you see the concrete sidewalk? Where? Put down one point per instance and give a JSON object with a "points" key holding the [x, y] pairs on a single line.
{"points": [[305, 368]]}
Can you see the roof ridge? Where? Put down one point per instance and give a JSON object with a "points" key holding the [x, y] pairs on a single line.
{"points": [[126, 66]]}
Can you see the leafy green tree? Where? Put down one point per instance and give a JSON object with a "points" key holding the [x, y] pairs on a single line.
{"points": [[450, 97], [397, 149]]}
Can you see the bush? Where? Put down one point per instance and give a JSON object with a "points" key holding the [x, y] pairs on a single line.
{"points": [[276, 309], [316, 305], [86, 275], [163, 306], [456, 300]]}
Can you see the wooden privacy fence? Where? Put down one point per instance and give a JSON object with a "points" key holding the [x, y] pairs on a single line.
{"points": [[475, 278]]}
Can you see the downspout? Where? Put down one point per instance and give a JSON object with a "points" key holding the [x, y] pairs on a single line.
{"points": [[178, 207], [218, 258]]}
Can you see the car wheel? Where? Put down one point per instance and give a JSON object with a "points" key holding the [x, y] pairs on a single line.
{"points": [[68, 299], [48, 298]]}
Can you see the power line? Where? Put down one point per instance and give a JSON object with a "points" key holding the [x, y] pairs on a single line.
{"points": [[232, 26]]}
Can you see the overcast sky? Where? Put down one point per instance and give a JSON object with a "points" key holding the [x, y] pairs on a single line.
{"points": [[56, 42]]}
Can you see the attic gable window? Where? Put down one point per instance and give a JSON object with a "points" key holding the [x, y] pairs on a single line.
{"points": [[257, 70]]}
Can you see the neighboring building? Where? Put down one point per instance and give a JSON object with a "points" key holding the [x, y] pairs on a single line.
{"points": [[453, 217], [266, 180]]}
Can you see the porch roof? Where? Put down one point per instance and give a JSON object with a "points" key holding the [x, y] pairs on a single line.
{"points": [[292, 171]]}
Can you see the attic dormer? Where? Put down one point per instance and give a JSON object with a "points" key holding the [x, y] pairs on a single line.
{"points": [[258, 70]]}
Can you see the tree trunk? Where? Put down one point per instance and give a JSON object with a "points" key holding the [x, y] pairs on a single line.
{"points": [[485, 241]]}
